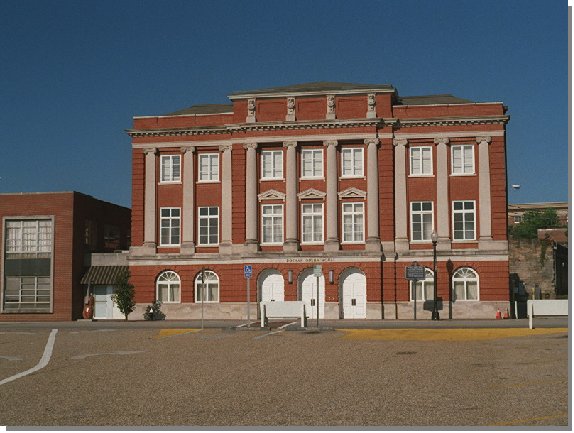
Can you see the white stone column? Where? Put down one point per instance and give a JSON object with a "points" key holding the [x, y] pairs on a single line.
{"points": [[442, 203], [291, 243], [251, 197], [373, 238], [484, 204], [332, 241], [401, 214], [150, 222], [187, 212], [225, 245]]}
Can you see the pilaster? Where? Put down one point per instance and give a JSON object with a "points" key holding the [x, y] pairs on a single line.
{"points": [[401, 238], [332, 241], [150, 242], [188, 214], [373, 242], [484, 205], [251, 198], [225, 246], [442, 211], [291, 243]]}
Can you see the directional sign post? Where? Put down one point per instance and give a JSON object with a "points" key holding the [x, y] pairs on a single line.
{"points": [[248, 272], [415, 273]]}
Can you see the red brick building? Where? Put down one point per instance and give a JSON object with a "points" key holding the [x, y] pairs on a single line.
{"points": [[46, 241], [353, 177]]}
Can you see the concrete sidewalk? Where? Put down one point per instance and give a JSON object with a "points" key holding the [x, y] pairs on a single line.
{"points": [[540, 322]]}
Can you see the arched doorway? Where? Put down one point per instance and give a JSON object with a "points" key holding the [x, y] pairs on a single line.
{"points": [[271, 286], [353, 294], [307, 284]]}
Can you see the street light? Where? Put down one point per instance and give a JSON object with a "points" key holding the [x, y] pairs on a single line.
{"points": [[434, 238]]}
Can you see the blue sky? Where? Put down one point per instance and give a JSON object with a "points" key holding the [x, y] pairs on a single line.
{"points": [[73, 73]]}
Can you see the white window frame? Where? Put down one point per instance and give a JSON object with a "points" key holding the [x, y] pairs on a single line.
{"points": [[422, 213], [210, 176], [272, 216], [462, 172], [355, 171], [169, 218], [464, 212], [429, 279], [420, 158], [24, 245], [210, 278], [466, 280], [171, 279], [274, 169], [208, 218], [313, 153], [353, 213], [312, 214], [169, 173]]}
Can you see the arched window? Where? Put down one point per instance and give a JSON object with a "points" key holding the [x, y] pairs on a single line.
{"points": [[168, 287], [210, 286], [465, 285], [424, 288]]}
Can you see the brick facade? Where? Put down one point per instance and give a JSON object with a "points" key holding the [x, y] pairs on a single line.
{"points": [[69, 212], [372, 118]]}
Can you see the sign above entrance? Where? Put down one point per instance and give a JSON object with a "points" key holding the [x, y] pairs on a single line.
{"points": [[317, 270], [415, 273]]}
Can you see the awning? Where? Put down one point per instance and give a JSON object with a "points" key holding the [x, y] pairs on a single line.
{"points": [[103, 274]]}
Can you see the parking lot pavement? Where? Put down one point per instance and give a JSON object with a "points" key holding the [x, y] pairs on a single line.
{"points": [[218, 377]]}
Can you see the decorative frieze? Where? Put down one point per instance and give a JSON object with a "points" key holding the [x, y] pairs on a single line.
{"points": [[311, 193], [271, 194], [372, 106], [250, 111], [352, 192], [290, 117]]}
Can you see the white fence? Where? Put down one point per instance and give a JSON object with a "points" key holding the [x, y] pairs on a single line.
{"points": [[282, 310], [549, 307]]}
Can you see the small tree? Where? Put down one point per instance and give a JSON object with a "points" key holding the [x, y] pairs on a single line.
{"points": [[124, 294], [534, 220]]}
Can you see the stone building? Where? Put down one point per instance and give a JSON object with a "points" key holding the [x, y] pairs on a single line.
{"points": [[350, 176]]}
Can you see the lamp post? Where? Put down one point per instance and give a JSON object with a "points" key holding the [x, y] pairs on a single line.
{"points": [[434, 238]]}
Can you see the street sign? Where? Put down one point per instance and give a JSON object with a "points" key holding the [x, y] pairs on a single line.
{"points": [[247, 271], [415, 273], [317, 270]]}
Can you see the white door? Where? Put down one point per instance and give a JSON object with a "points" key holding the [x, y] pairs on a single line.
{"points": [[104, 307], [355, 296], [309, 296], [273, 288]]}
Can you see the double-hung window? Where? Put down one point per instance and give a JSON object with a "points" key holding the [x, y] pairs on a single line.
{"points": [[209, 167], [464, 220], [312, 163], [272, 224], [463, 159], [353, 222], [208, 226], [312, 223], [352, 162], [421, 220], [169, 226], [272, 164], [170, 168], [421, 160]]}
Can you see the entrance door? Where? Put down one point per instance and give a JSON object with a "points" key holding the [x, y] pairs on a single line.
{"points": [[355, 296], [309, 296], [273, 288], [104, 307]]}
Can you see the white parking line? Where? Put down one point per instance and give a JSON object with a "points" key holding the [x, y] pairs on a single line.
{"points": [[280, 329], [119, 352], [43, 361]]}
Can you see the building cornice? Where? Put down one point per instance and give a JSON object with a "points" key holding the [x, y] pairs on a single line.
{"points": [[452, 121], [316, 124], [176, 132]]}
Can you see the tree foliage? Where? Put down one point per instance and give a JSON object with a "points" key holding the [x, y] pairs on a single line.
{"points": [[124, 294], [532, 220]]}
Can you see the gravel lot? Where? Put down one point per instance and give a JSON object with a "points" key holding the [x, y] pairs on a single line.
{"points": [[214, 377]]}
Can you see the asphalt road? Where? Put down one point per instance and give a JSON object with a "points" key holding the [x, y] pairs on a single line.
{"points": [[164, 376]]}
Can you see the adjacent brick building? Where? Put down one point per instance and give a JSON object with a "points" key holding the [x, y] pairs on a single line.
{"points": [[46, 241], [353, 177]]}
